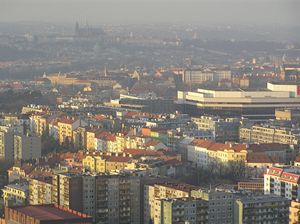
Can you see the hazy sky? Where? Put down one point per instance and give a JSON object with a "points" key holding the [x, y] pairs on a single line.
{"points": [[202, 12]]}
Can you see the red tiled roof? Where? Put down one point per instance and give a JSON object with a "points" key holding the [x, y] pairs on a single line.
{"points": [[263, 158], [202, 143], [153, 142], [104, 135], [120, 159], [267, 147], [173, 161], [40, 172], [49, 212], [239, 147], [275, 171], [297, 158], [27, 168], [290, 177], [141, 152], [219, 147], [211, 145], [68, 120], [99, 117]]}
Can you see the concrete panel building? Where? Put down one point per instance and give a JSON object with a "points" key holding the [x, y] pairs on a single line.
{"points": [[261, 209], [27, 147]]}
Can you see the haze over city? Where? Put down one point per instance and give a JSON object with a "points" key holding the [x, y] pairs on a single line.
{"points": [[201, 12], [149, 112]]}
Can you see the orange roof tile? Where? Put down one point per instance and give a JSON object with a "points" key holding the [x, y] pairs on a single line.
{"points": [[152, 142], [120, 159], [263, 158], [141, 152], [68, 120]]}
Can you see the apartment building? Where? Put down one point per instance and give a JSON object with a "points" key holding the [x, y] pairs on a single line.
{"points": [[117, 199], [290, 72], [17, 173], [184, 210], [220, 205], [27, 147], [79, 138], [89, 195], [90, 140], [67, 190], [294, 215], [283, 181], [6, 144], [66, 126], [105, 141], [153, 195], [108, 199], [15, 194], [261, 209], [108, 162], [202, 153], [222, 129], [269, 134], [197, 76], [287, 114], [38, 123], [40, 191]]}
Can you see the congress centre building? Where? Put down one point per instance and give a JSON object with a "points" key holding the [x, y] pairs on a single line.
{"points": [[256, 104]]}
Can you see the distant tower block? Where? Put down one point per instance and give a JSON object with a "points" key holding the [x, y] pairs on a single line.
{"points": [[77, 29], [105, 72]]}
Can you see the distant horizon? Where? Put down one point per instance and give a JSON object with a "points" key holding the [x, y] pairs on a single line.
{"points": [[126, 12]]}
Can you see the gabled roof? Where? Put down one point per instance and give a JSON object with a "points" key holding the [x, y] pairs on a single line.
{"points": [[263, 158], [142, 152], [152, 142], [107, 136], [262, 147], [202, 143], [120, 159], [214, 146], [68, 120]]}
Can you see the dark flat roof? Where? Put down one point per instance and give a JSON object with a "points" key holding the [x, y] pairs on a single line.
{"points": [[285, 82], [48, 212]]}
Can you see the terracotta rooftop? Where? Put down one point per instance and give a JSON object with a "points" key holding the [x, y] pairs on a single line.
{"points": [[214, 146], [99, 117], [152, 143], [202, 143], [141, 152], [266, 147], [104, 135], [263, 158], [68, 120], [49, 212], [120, 159], [297, 158], [27, 168]]}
